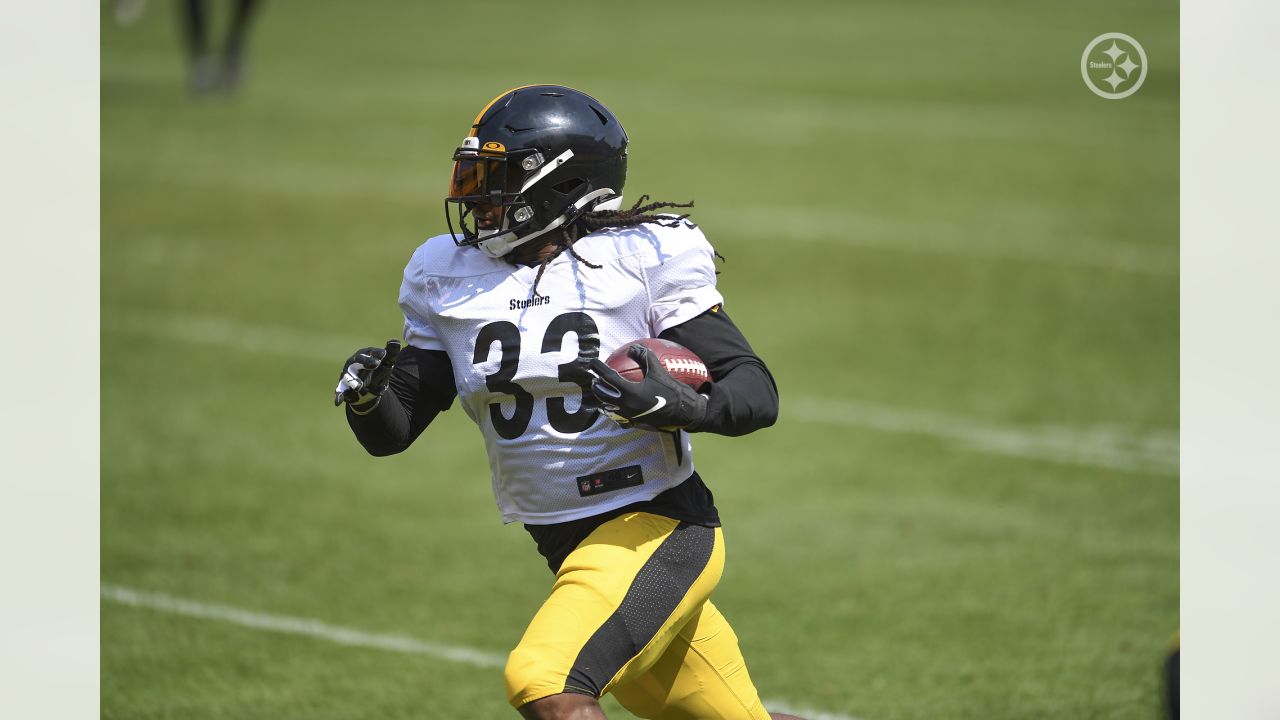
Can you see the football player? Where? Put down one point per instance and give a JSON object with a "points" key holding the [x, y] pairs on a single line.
{"points": [[542, 272]]}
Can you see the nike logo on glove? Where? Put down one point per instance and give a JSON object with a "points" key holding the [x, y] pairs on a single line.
{"points": [[662, 402]]}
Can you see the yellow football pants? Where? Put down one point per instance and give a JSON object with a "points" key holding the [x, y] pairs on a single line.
{"points": [[630, 614]]}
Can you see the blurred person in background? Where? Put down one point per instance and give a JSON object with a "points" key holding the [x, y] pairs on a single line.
{"points": [[210, 71], [598, 468], [222, 70]]}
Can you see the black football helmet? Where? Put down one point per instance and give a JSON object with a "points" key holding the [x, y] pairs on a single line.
{"points": [[537, 158]]}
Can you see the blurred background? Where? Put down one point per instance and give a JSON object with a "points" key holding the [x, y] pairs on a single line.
{"points": [[960, 264]]}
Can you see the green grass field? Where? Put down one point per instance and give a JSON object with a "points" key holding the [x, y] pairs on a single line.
{"points": [[960, 264]]}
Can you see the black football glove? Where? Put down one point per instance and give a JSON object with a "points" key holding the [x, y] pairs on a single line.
{"points": [[658, 402], [365, 376]]}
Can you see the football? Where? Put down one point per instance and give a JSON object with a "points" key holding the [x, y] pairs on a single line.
{"points": [[683, 364]]}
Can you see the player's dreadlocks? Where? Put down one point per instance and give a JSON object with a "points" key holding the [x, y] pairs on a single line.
{"points": [[638, 214]]}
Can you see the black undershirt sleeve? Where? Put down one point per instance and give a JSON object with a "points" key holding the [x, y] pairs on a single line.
{"points": [[743, 396], [421, 387]]}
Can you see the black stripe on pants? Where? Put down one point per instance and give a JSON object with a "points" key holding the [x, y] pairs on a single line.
{"points": [[654, 594]]}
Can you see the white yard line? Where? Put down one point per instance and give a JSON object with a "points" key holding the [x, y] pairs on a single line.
{"points": [[290, 625], [1110, 448], [310, 627], [226, 333], [808, 713]]}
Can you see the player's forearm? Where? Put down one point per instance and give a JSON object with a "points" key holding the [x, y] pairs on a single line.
{"points": [[387, 429], [420, 387], [743, 396], [743, 401]]}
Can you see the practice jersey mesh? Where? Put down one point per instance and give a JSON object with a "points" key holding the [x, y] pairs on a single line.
{"points": [[518, 360]]}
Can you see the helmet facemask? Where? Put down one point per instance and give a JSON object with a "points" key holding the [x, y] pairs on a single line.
{"points": [[485, 191], [492, 203]]}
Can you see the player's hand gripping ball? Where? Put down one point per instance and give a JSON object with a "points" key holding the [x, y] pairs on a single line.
{"points": [[652, 384]]}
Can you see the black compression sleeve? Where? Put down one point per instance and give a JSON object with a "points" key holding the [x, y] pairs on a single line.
{"points": [[743, 396], [421, 387]]}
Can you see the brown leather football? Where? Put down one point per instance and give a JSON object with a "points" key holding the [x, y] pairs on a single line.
{"points": [[683, 364]]}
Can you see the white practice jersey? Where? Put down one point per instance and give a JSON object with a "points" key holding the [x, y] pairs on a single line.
{"points": [[518, 360]]}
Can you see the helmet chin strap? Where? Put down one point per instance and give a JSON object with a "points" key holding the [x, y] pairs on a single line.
{"points": [[497, 247]]}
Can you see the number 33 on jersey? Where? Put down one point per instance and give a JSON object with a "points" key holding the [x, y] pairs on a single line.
{"points": [[519, 360]]}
